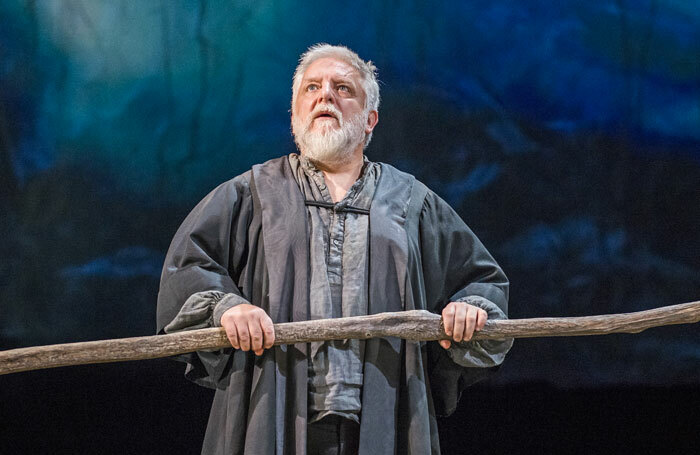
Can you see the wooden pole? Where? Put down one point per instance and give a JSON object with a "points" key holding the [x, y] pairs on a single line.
{"points": [[416, 325]]}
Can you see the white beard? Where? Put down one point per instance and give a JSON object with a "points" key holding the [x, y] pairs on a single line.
{"points": [[330, 145]]}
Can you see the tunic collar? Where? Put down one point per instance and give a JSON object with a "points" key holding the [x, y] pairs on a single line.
{"points": [[354, 197]]}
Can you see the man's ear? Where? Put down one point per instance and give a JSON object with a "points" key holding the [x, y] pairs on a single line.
{"points": [[372, 120]]}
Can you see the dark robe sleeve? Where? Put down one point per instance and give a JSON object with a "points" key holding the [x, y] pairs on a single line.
{"points": [[205, 259], [457, 267]]}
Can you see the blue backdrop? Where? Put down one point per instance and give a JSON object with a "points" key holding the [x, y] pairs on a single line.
{"points": [[567, 136]]}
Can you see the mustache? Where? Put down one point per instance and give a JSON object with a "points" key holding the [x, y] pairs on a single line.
{"points": [[325, 109]]}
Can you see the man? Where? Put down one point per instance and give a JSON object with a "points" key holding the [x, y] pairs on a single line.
{"points": [[330, 234]]}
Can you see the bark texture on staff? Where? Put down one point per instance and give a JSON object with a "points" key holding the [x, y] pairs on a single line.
{"points": [[413, 325]]}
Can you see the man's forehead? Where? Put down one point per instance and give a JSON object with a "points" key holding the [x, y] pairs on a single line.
{"points": [[331, 66]]}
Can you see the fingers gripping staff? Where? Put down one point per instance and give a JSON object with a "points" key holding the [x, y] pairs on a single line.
{"points": [[461, 320], [248, 328]]}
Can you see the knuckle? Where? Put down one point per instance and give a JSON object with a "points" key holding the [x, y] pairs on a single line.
{"points": [[234, 312]]}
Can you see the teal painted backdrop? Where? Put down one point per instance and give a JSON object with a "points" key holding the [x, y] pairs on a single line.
{"points": [[566, 134]]}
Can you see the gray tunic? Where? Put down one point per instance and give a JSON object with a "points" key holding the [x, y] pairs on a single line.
{"points": [[249, 238], [338, 285]]}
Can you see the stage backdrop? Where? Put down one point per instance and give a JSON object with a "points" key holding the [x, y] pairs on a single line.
{"points": [[566, 134]]}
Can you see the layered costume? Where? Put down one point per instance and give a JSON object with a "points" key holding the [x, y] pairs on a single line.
{"points": [[251, 240]]}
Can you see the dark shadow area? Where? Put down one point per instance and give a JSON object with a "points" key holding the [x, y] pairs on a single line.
{"points": [[149, 408]]}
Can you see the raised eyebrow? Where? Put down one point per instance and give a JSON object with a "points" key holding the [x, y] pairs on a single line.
{"points": [[345, 81], [309, 81]]}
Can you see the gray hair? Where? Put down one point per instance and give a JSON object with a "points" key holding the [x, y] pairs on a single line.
{"points": [[367, 71]]}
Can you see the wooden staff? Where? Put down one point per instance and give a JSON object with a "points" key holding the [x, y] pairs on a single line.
{"points": [[415, 325]]}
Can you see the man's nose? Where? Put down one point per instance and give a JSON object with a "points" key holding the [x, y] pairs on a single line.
{"points": [[326, 92]]}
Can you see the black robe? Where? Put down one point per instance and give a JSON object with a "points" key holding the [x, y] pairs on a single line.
{"points": [[249, 237]]}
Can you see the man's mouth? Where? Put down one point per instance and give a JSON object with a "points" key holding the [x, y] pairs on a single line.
{"points": [[326, 115]]}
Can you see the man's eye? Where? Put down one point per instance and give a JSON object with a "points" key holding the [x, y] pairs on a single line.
{"points": [[343, 88], [311, 87]]}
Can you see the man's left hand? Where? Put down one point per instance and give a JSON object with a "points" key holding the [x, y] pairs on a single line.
{"points": [[461, 320]]}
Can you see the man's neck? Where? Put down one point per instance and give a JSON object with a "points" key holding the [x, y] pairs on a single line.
{"points": [[340, 177]]}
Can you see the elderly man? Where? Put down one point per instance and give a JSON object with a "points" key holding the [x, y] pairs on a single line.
{"points": [[328, 234]]}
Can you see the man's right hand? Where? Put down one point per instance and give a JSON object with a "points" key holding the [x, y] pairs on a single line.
{"points": [[248, 327]]}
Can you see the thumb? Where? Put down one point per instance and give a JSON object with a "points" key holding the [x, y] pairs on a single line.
{"points": [[445, 344]]}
